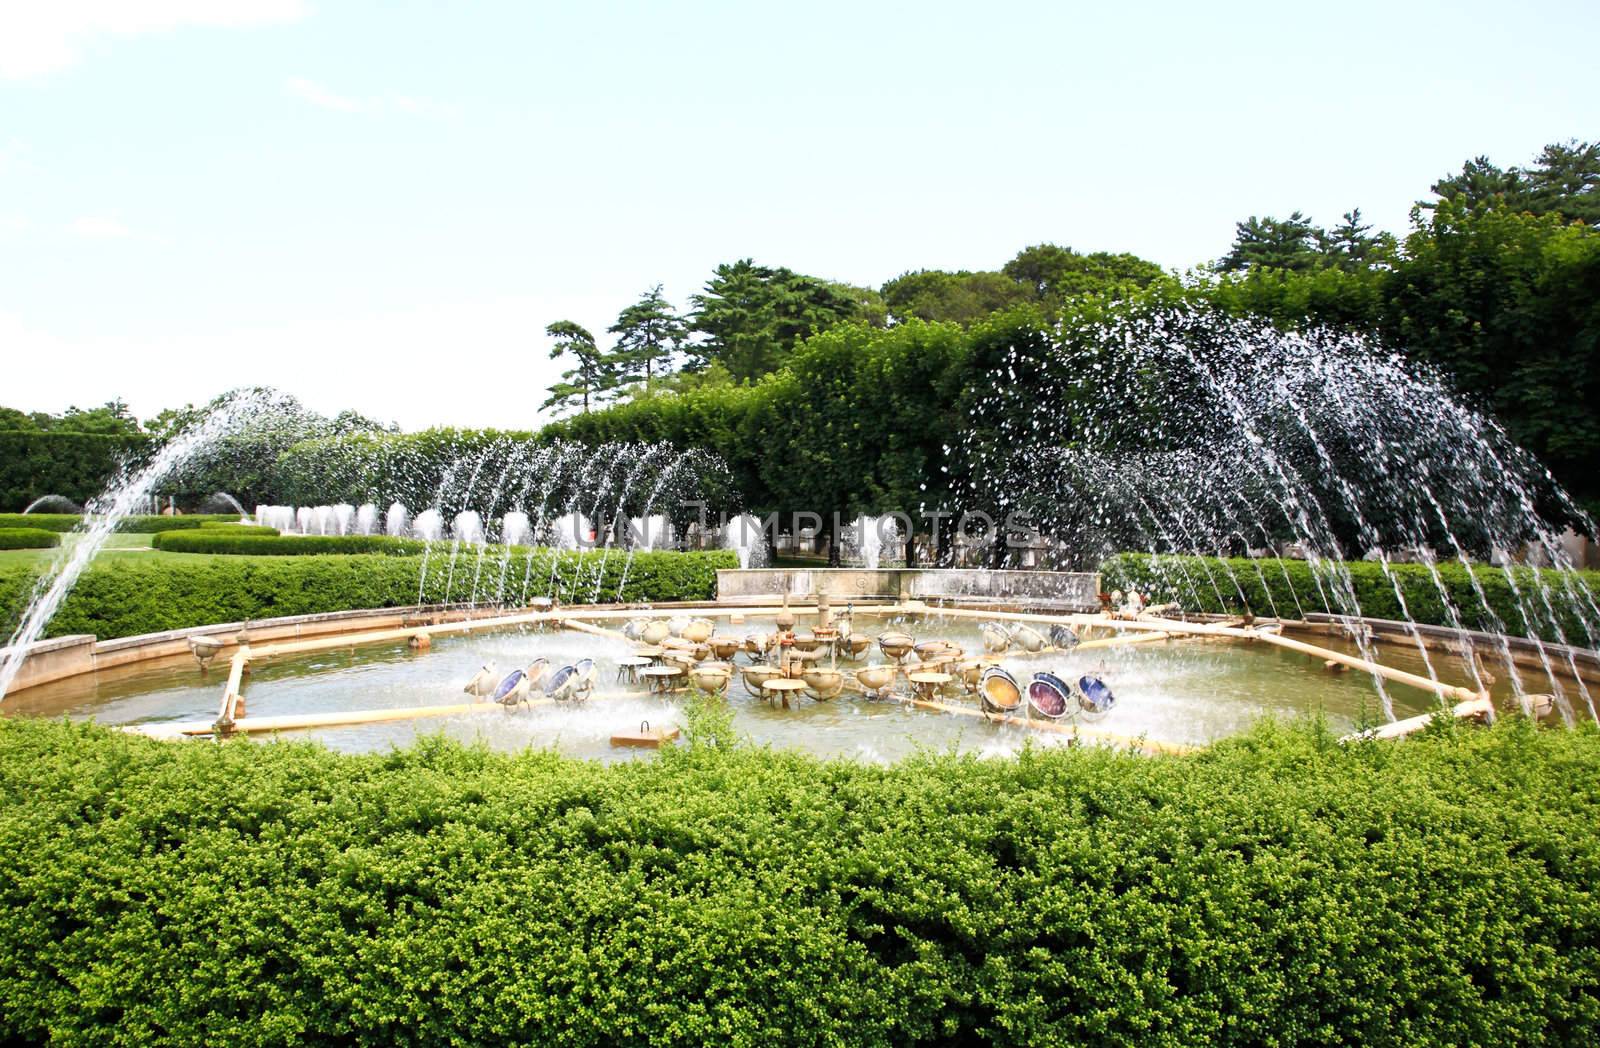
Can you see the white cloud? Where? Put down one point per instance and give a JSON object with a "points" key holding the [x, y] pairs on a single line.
{"points": [[325, 98], [38, 37], [318, 95], [98, 227]]}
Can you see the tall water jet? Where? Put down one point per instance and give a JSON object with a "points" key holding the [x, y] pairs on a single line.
{"points": [[397, 522], [467, 527], [367, 519], [653, 532], [344, 518], [305, 520], [572, 531], [515, 529], [867, 538], [127, 495], [743, 535], [429, 525]]}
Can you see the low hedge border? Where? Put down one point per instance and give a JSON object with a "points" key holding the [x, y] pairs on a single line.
{"points": [[133, 595], [132, 525], [246, 540], [1289, 586], [1277, 889], [28, 538]]}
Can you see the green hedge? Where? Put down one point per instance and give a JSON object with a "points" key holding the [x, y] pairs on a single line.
{"points": [[1187, 580], [265, 542], [1278, 889], [132, 595], [132, 525], [28, 538]]}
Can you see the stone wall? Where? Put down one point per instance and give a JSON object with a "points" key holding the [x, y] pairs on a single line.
{"points": [[1068, 590]]}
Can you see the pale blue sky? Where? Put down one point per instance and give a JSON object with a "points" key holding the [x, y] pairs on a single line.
{"points": [[380, 206]]}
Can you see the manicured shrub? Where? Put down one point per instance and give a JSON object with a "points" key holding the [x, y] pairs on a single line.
{"points": [[127, 596], [1277, 889], [28, 538], [131, 525], [266, 542], [74, 465], [1487, 599]]}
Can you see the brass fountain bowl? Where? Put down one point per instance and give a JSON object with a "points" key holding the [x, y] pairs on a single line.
{"points": [[677, 625], [698, 631], [1028, 638], [896, 645], [755, 676], [875, 678], [708, 679], [853, 647], [807, 641], [724, 646], [655, 631], [822, 683]]}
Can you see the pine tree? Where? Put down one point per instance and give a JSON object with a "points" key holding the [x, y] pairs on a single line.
{"points": [[649, 334], [590, 378]]}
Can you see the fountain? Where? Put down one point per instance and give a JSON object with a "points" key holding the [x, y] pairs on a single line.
{"points": [[867, 538], [515, 529], [429, 526], [397, 521], [367, 519], [743, 534], [652, 532], [52, 504], [467, 527]]}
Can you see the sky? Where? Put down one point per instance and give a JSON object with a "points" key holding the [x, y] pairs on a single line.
{"points": [[381, 206]]}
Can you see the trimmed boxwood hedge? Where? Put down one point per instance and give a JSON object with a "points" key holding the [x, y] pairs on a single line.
{"points": [[1277, 889], [132, 525], [132, 595], [1163, 577], [245, 540], [28, 538]]}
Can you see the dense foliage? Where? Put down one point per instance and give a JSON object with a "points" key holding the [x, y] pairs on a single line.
{"points": [[125, 597], [137, 524], [1280, 888], [28, 538], [1485, 600], [76, 466]]}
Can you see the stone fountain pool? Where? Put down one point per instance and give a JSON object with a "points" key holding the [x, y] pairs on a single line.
{"points": [[1185, 692]]}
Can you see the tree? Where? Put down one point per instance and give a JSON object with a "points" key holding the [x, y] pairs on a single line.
{"points": [[961, 297], [593, 374], [649, 334], [1564, 180], [1351, 245], [1480, 182], [752, 316], [1292, 243], [1055, 273], [1509, 304]]}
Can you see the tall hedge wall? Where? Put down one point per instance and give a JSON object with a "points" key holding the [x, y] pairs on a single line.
{"points": [[76, 465], [1278, 889], [1289, 586], [128, 596]]}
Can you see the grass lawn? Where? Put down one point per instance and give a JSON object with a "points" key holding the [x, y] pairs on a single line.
{"points": [[118, 547]]}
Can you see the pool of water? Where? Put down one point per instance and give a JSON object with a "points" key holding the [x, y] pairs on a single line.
{"points": [[1184, 691]]}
